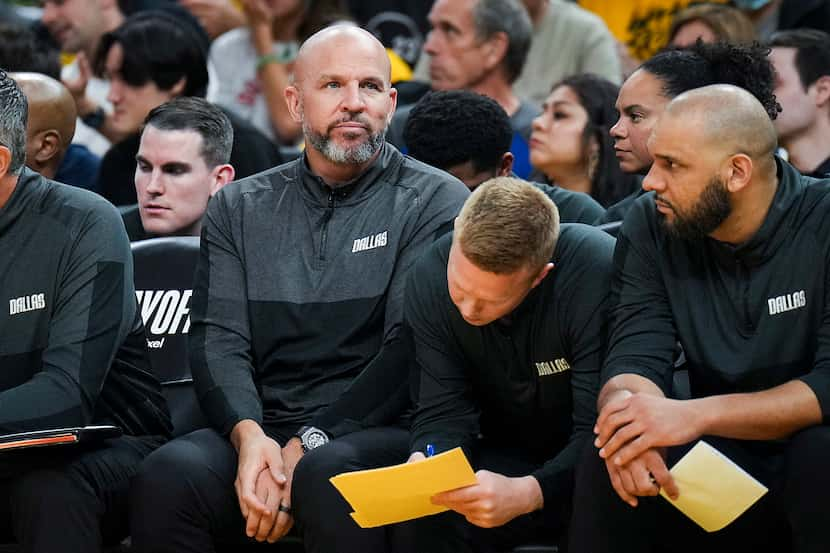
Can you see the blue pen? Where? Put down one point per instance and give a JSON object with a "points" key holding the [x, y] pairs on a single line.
{"points": [[430, 450]]}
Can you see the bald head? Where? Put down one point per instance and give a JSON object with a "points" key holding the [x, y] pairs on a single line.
{"points": [[340, 41], [51, 123], [731, 119]]}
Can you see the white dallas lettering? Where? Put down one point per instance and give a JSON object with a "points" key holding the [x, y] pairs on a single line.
{"points": [[547, 368], [787, 302], [24, 304], [165, 311], [369, 242]]}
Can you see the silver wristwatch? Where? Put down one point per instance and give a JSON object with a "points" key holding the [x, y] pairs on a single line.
{"points": [[312, 438]]}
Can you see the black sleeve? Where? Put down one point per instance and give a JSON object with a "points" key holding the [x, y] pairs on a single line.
{"points": [[446, 415], [220, 335], [93, 311], [642, 335], [380, 393], [583, 307]]}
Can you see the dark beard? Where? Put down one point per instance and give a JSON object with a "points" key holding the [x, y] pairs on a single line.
{"points": [[711, 209]]}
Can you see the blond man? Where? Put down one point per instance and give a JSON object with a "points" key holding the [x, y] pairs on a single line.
{"points": [[506, 317]]}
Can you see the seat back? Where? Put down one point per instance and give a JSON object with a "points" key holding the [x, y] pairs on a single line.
{"points": [[163, 278]]}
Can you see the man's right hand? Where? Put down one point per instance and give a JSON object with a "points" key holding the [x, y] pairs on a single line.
{"points": [[258, 453], [415, 457]]}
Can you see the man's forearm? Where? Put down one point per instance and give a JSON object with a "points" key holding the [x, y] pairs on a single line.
{"points": [[632, 383], [766, 415]]}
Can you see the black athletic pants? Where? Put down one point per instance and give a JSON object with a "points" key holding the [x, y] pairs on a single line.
{"points": [[70, 498], [184, 499], [792, 516]]}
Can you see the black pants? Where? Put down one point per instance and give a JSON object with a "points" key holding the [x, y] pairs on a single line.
{"points": [[69, 498], [450, 532], [792, 516], [184, 500]]}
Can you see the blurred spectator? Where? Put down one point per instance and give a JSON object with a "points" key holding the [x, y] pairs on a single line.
{"points": [[49, 131], [469, 135], [149, 60], [774, 15], [571, 143], [567, 40], [78, 26], [480, 45], [801, 58], [182, 161], [711, 23], [252, 64]]}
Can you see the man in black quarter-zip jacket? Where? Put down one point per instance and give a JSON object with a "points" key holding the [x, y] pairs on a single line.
{"points": [[507, 317], [72, 353], [730, 255], [296, 349]]}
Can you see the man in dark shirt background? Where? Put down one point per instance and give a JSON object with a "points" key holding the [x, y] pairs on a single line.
{"points": [[730, 257], [72, 352], [506, 317]]}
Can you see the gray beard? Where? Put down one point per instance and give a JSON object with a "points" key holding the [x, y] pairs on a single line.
{"points": [[351, 155]]}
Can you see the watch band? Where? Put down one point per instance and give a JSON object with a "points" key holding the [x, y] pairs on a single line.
{"points": [[95, 119]]}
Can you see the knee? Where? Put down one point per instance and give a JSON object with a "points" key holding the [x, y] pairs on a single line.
{"points": [[318, 465], [41, 490], [170, 476]]}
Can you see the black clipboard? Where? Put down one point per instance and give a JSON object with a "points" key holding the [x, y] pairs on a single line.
{"points": [[57, 436]]}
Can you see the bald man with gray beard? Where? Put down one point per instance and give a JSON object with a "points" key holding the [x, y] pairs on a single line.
{"points": [[729, 254]]}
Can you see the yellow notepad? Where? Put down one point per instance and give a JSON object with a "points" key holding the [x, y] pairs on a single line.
{"points": [[402, 492], [714, 491]]}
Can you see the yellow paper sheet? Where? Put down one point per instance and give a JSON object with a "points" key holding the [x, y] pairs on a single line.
{"points": [[402, 492], [714, 491]]}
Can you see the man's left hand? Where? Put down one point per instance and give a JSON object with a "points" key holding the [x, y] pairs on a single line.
{"points": [[494, 500], [629, 426], [292, 452]]}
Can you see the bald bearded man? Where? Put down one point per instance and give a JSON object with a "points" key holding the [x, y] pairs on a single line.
{"points": [[49, 132], [296, 346], [730, 256]]}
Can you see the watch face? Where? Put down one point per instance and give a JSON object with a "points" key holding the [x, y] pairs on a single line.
{"points": [[315, 438]]}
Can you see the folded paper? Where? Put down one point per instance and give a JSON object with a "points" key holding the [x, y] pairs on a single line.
{"points": [[402, 492], [714, 491]]}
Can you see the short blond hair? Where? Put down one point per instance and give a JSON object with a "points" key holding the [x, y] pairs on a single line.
{"points": [[506, 225]]}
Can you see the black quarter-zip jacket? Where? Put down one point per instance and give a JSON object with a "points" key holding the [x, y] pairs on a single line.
{"points": [[299, 290], [749, 317], [72, 345], [529, 381]]}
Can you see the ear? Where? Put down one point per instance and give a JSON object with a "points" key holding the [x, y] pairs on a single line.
{"points": [[48, 144], [542, 274], [506, 165], [822, 91], [393, 96], [739, 172], [5, 161], [222, 175], [495, 50], [294, 103]]}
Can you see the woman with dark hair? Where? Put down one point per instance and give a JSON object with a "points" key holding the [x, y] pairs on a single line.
{"points": [[252, 63], [570, 143], [644, 95]]}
